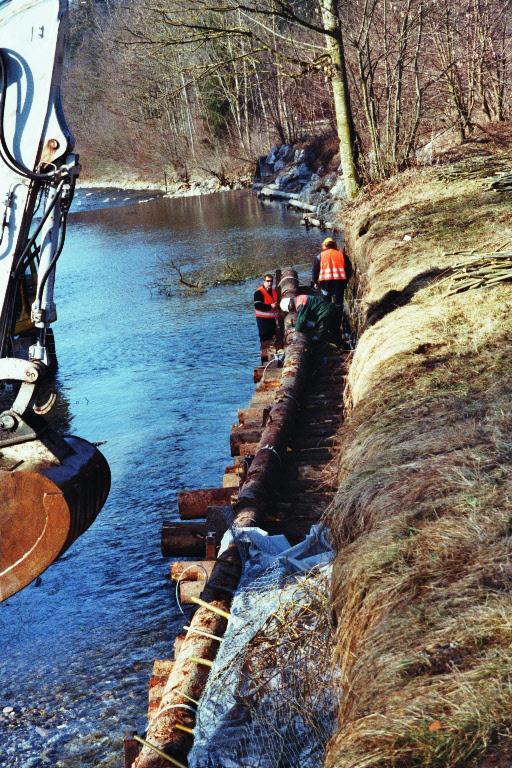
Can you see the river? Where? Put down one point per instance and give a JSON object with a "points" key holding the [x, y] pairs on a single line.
{"points": [[159, 378]]}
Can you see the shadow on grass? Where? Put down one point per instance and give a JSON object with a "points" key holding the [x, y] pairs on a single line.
{"points": [[394, 299]]}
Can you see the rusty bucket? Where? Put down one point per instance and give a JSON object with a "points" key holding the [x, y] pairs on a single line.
{"points": [[51, 490]]}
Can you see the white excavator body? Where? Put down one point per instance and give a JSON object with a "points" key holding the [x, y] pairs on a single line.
{"points": [[51, 487]]}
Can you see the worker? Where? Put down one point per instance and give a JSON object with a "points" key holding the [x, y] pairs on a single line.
{"points": [[266, 309], [331, 271], [317, 317]]}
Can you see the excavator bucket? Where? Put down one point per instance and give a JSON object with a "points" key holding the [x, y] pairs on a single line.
{"points": [[51, 490]]}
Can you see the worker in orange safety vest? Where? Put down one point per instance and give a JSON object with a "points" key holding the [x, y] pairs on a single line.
{"points": [[331, 271], [266, 310]]}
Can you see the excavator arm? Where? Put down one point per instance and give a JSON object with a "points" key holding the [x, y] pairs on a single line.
{"points": [[51, 487]]}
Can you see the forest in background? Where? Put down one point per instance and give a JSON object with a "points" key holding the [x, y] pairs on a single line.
{"points": [[202, 88]]}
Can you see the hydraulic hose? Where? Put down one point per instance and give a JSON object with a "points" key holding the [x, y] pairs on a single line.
{"points": [[20, 263], [5, 152]]}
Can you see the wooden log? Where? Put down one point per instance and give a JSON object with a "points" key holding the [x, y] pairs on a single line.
{"points": [[240, 435], [131, 749], [301, 206], [234, 475], [263, 476], [189, 678], [184, 538], [261, 398], [311, 473], [289, 283], [189, 537], [178, 642], [234, 469], [162, 668], [266, 467], [191, 589], [312, 221], [192, 505], [289, 288], [252, 415], [273, 193], [270, 372], [191, 570], [248, 449], [231, 480], [267, 385]]}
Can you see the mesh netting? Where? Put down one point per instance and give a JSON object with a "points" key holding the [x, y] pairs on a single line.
{"points": [[272, 697]]}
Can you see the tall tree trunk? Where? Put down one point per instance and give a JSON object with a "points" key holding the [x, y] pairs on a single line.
{"points": [[341, 96]]}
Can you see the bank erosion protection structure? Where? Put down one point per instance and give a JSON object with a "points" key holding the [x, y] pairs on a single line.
{"points": [[279, 482]]}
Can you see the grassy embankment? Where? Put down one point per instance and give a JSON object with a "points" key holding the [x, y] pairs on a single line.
{"points": [[423, 515]]}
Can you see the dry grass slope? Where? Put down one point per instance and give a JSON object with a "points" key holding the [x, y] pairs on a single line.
{"points": [[423, 516]]}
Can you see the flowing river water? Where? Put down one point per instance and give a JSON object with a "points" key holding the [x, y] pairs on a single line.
{"points": [[159, 379]]}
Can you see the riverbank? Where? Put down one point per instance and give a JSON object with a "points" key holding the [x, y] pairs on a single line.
{"points": [[421, 519], [205, 186]]}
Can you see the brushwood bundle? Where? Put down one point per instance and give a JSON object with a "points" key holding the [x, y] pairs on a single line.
{"points": [[478, 270]]}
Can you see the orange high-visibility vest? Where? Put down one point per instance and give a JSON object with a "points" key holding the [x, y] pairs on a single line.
{"points": [[268, 299], [332, 265]]}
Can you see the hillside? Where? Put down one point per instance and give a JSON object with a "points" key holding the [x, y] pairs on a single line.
{"points": [[422, 517]]}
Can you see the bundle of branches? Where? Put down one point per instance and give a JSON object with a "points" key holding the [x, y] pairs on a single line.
{"points": [[478, 270], [503, 183], [480, 166]]}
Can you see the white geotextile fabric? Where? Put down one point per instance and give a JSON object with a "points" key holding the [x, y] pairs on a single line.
{"points": [[229, 734]]}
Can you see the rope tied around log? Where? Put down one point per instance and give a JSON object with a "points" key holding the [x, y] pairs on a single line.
{"points": [[175, 706], [270, 448], [287, 396]]}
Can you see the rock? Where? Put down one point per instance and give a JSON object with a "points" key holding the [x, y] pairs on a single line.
{"points": [[287, 179], [272, 156], [315, 182], [329, 180], [304, 171], [7, 711], [325, 209], [338, 191]]}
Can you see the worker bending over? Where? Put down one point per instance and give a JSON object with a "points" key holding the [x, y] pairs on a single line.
{"points": [[317, 317], [331, 271], [266, 310]]}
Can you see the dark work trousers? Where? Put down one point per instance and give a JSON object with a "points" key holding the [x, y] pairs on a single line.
{"points": [[266, 328], [334, 290]]}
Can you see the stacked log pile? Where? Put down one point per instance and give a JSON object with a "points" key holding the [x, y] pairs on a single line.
{"points": [[281, 447]]}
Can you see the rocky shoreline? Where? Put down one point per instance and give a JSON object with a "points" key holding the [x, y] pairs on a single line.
{"points": [[306, 177]]}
